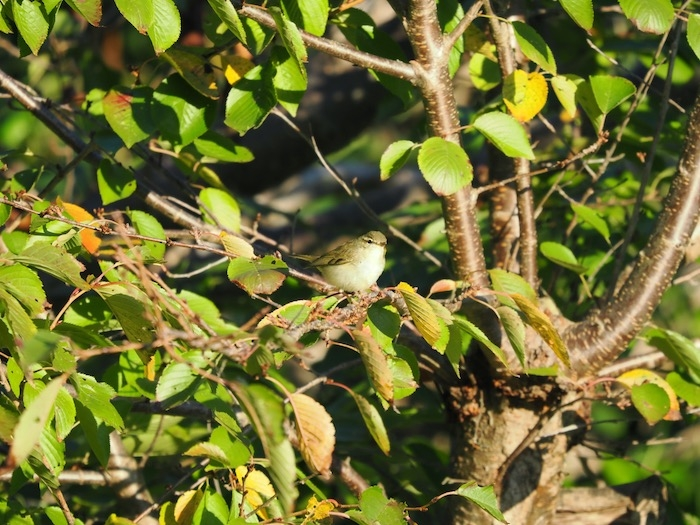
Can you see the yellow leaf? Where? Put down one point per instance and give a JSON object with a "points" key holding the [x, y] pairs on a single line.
{"points": [[315, 432], [543, 326], [235, 67], [236, 246], [318, 510], [186, 506], [376, 363], [88, 238], [640, 376], [524, 94], [256, 488]]}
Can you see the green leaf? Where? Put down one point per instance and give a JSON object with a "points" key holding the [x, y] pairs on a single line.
{"points": [[651, 16], [484, 72], [384, 323], [131, 307], [138, 14], [220, 208], [96, 433], [97, 399], [114, 182], [250, 100], [147, 225], [359, 28], [445, 165], [229, 16], [580, 11], [562, 255], [31, 422], [164, 30], [534, 47], [651, 401], [25, 286], [309, 15], [32, 22], [565, 88], [219, 147], [128, 113], [291, 38], [679, 349], [266, 412], [484, 497], [290, 81], [373, 422], [593, 218], [193, 69], [515, 331], [39, 347], [506, 133], [684, 389], [180, 379], [181, 113], [257, 37], [19, 322], [587, 100], [258, 276], [376, 508], [509, 283], [474, 331], [64, 414], [223, 448], [693, 33], [9, 416], [91, 10], [610, 91], [394, 157]]}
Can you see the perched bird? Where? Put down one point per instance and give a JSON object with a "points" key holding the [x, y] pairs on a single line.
{"points": [[355, 265]]}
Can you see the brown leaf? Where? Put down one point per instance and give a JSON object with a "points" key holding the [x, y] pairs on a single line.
{"points": [[315, 432], [376, 363]]}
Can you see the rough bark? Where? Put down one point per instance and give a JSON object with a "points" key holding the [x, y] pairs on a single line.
{"points": [[604, 334]]}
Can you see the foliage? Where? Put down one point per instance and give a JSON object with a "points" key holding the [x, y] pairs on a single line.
{"points": [[109, 346]]}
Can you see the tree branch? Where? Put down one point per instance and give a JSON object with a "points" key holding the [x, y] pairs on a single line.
{"points": [[395, 68], [431, 63], [603, 335], [526, 229]]}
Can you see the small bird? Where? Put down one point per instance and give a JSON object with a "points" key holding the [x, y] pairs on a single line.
{"points": [[355, 265]]}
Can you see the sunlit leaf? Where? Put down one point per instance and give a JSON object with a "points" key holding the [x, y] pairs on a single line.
{"points": [[543, 326], [258, 276], [593, 218], [506, 133], [650, 403], [194, 70], [376, 364], [610, 91], [445, 165], [562, 255], [31, 422], [394, 157], [373, 422], [315, 432], [534, 47], [652, 16], [580, 11], [484, 497], [219, 207], [515, 331], [524, 94]]}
